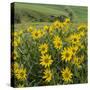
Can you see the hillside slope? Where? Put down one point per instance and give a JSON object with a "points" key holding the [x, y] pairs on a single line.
{"points": [[41, 12]]}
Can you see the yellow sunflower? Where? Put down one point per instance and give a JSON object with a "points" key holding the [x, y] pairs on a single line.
{"points": [[75, 60], [58, 24], [36, 34], [46, 60], [47, 75], [16, 41], [14, 55], [43, 48], [51, 28], [74, 49], [57, 42], [15, 34], [56, 38], [66, 54], [82, 27], [21, 74], [67, 74], [48, 29], [82, 33], [78, 61], [41, 32], [75, 39], [14, 67], [67, 20], [20, 32], [30, 29]]}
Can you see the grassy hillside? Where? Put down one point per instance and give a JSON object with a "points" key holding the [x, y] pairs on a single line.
{"points": [[42, 12]]}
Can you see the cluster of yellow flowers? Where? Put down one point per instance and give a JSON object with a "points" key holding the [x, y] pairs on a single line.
{"points": [[36, 34], [45, 61], [19, 71], [56, 43], [16, 36]]}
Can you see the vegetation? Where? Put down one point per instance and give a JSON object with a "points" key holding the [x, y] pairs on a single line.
{"points": [[50, 45]]}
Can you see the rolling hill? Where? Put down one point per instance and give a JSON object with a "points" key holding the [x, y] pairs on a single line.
{"points": [[43, 12]]}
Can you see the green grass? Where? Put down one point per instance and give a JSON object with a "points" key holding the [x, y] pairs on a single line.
{"points": [[28, 11], [25, 25]]}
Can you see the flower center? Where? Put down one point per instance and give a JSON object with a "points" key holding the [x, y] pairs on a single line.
{"points": [[36, 34], [43, 49], [67, 54], [46, 60], [48, 30], [75, 39], [58, 44], [48, 75], [66, 75], [21, 74]]}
